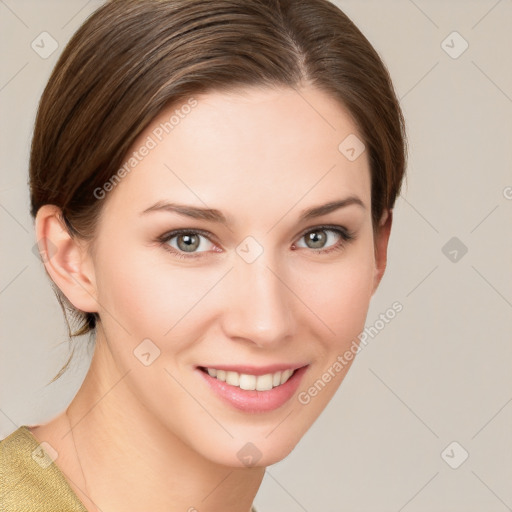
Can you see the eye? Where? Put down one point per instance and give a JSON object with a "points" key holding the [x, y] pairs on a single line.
{"points": [[186, 243], [190, 243], [324, 239]]}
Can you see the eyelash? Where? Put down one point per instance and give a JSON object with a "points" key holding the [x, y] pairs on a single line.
{"points": [[345, 237]]}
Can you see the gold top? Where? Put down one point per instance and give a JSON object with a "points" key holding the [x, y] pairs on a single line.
{"points": [[30, 480]]}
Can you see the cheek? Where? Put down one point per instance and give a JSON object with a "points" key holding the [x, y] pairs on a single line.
{"points": [[339, 293], [352, 295], [148, 295], [128, 288]]}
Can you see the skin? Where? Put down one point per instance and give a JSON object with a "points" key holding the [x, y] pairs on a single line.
{"points": [[260, 156]]}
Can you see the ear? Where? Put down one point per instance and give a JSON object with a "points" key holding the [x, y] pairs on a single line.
{"points": [[66, 259], [381, 246]]}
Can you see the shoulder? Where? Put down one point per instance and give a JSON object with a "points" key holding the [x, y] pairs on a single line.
{"points": [[30, 479]]}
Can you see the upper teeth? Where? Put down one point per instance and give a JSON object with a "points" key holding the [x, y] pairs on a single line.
{"points": [[251, 382]]}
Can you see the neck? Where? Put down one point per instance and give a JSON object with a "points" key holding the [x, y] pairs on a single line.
{"points": [[131, 461]]}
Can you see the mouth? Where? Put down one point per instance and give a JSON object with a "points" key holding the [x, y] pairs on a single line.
{"points": [[252, 389], [248, 381]]}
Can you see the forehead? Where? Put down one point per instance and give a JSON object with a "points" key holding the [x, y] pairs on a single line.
{"points": [[237, 147]]}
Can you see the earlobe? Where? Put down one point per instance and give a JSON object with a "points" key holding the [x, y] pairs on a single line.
{"points": [[65, 259], [381, 246]]}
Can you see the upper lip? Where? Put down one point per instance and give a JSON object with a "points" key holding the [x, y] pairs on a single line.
{"points": [[255, 370]]}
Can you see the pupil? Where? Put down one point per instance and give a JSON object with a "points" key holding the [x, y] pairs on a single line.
{"points": [[189, 244], [318, 238]]}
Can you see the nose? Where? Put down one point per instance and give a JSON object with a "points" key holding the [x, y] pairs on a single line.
{"points": [[258, 305]]}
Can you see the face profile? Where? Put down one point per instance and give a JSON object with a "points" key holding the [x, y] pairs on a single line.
{"points": [[225, 262]]}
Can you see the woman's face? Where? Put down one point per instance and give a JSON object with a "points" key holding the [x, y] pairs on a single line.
{"points": [[268, 288]]}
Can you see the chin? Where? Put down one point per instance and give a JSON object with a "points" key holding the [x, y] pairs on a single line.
{"points": [[257, 450]]}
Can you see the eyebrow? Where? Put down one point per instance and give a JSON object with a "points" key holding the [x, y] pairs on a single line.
{"points": [[214, 215]]}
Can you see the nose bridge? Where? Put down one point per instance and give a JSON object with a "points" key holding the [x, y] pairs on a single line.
{"points": [[258, 305]]}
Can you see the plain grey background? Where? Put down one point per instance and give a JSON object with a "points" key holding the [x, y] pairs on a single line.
{"points": [[432, 387]]}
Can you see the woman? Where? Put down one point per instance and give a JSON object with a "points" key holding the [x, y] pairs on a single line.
{"points": [[212, 185]]}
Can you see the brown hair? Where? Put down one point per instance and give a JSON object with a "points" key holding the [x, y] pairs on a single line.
{"points": [[132, 58]]}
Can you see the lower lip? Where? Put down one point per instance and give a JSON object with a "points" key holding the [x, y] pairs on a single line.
{"points": [[252, 400]]}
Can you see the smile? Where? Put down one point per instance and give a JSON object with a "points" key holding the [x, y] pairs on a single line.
{"points": [[253, 389], [251, 382]]}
